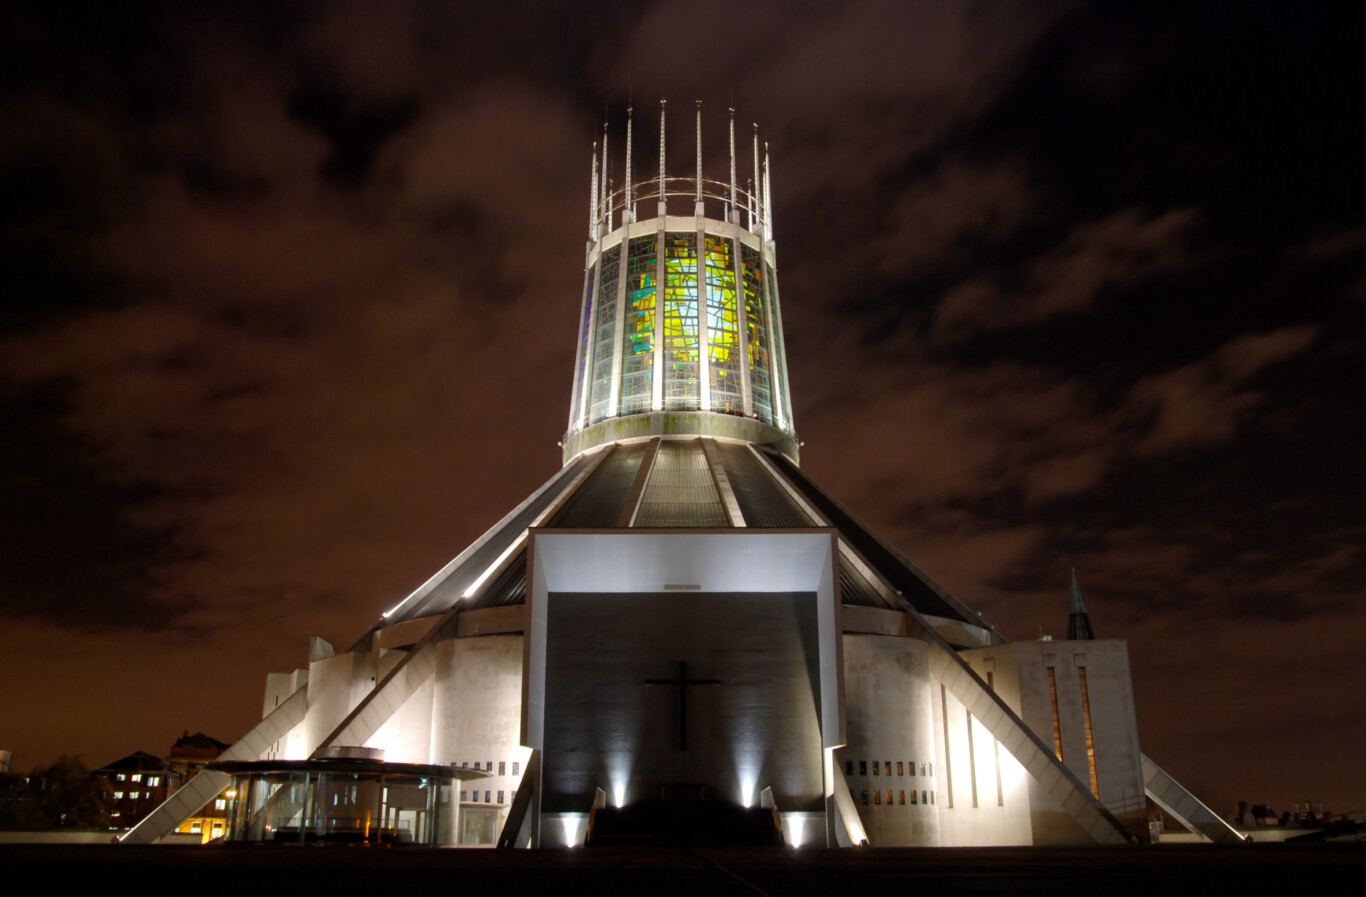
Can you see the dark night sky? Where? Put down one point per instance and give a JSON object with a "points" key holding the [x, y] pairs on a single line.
{"points": [[290, 292]]}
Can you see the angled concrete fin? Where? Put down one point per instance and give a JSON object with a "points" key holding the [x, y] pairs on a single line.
{"points": [[1017, 738], [848, 813], [207, 785], [1186, 808], [518, 827], [388, 695]]}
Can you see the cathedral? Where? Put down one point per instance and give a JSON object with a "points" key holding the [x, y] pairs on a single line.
{"points": [[680, 637]]}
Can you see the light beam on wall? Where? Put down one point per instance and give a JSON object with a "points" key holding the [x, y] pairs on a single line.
{"points": [[572, 824]]}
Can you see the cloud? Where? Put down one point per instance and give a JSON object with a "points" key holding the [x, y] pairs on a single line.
{"points": [[278, 357], [1123, 249], [964, 435], [1205, 403], [959, 203], [1332, 245]]}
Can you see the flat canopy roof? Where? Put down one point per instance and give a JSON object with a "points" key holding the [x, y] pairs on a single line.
{"points": [[716, 561], [346, 766]]}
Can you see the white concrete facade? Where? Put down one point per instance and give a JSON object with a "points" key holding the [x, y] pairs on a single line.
{"points": [[1028, 675], [919, 768]]}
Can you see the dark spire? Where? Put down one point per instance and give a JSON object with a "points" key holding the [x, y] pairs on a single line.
{"points": [[1078, 621]]}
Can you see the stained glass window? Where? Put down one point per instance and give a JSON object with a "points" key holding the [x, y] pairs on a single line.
{"points": [[782, 398], [681, 350], [583, 360], [723, 328], [604, 337], [757, 337], [638, 349]]}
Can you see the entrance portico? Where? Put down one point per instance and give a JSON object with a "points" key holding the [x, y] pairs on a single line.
{"points": [[752, 617]]}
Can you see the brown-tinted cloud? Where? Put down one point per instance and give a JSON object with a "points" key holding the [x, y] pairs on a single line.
{"points": [[294, 302], [1206, 402], [1119, 251]]}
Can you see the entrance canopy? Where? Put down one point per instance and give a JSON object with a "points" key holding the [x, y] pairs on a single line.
{"points": [[652, 562]]}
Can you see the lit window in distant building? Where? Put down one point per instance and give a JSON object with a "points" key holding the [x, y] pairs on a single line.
{"points": [[118, 795], [196, 828], [137, 777], [220, 804], [122, 777], [133, 795], [153, 781]]}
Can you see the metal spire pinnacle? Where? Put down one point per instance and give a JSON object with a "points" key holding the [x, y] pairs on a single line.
{"points": [[662, 104], [699, 153], [606, 196], [732, 216], [593, 199], [756, 209], [768, 199], [630, 205], [1078, 621]]}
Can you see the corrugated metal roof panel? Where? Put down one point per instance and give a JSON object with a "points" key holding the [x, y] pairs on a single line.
{"points": [[763, 502], [857, 591], [681, 491], [508, 588], [598, 502]]}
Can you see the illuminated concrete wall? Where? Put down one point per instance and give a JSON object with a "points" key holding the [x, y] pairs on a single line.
{"points": [[406, 737], [335, 686], [476, 715], [279, 686], [890, 739], [1020, 672], [983, 795]]}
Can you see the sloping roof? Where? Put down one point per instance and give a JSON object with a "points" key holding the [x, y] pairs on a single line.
{"points": [[138, 761], [198, 741], [678, 482]]}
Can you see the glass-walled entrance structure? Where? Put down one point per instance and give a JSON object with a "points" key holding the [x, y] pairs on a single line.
{"points": [[345, 801]]}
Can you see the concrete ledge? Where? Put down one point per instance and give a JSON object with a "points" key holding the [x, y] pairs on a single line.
{"points": [[679, 423]]}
